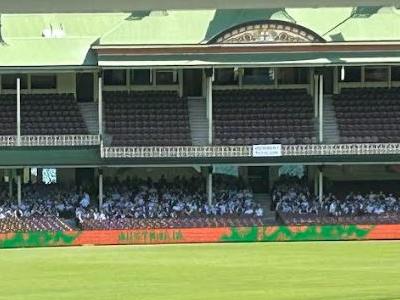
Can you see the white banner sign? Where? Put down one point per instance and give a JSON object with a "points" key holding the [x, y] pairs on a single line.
{"points": [[267, 150]]}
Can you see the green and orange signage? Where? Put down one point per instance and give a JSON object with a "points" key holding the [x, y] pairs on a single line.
{"points": [[200, 235]]}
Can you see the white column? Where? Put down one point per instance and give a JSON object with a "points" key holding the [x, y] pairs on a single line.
{"points": [[18, 111], [100, 105], [100, 189], [209, 109], [321, 108], [316, 95], [10, 184], [209, 186], [320, 184], [19, 184]]}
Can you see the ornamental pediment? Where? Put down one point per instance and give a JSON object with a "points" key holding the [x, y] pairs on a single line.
{"points": [[265, 32]]}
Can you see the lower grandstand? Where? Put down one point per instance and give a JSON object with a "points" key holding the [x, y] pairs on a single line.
{"points": [[179, 199]]}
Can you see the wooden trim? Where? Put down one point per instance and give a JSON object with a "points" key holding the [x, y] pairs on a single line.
{"points": [[246, 48]]}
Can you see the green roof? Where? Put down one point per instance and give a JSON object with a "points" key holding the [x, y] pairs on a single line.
{"points": [[31, 53], [194, 27], [25, 47]]}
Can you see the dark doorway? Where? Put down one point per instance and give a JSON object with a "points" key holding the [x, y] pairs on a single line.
{"points": [[259, 179], [193, 83], [84, 177], [84, 87], [327, 72]]}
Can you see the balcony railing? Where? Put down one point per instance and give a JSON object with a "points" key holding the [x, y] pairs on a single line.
{"points": [[176, 152], [197, 151], [341, 149], [247, 151], [8, 140], [60, 140]]}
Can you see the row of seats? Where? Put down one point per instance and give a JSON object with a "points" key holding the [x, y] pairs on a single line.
{"points": [[33, 223], [369, 115], [147, 118], [246, 117], [315, 219], [264, 141], [42, 114], [194, 222]]}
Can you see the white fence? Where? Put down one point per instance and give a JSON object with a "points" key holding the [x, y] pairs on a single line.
{"points": [[247, 151], [60, 140], [8, 140], [176, 152]]}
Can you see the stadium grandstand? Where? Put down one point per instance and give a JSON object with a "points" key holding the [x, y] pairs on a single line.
{"points": [[212, 118]]}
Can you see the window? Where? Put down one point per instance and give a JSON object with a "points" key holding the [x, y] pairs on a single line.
{"points": [[225, 76], [9, 82], [140, 77], [258, 76], [166, 77], [351, 74], [293, 76], [44, 82], [49, 176], [395, 73], [376, 74], [115, 77]]}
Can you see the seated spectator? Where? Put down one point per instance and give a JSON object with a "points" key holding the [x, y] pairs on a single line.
{"points": [[294, 203], [182, 198]]}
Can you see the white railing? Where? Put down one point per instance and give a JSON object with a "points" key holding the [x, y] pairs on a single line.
{"points": [[8, 140], [247, 151], [341, 149], [176, 152], [60, 140]]}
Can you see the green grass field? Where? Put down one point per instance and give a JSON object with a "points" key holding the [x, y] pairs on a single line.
{"points": [[322, 270]]}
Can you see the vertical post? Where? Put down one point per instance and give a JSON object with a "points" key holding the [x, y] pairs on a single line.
{"points": [[100, 188], [19, 184], [100, 104], [18, 111], [316, 182], [316, 96], [336, 80], [210, 185], [321, 108], [209, 80], [180, 82], [320, 184], [10, 184]]}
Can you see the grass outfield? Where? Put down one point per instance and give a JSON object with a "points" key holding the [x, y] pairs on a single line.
{"points": [[321, 270]]}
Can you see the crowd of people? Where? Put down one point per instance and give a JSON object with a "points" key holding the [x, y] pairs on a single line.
{"points": [[132, 199], [182, 202], [292, 198], [43, 207], [180, 198], [44, 200]]}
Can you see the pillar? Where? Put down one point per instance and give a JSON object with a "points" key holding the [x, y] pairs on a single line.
{"points": [[210, 185], [209, 83], [320, 184], [19, 186], [180, 82], [18, 111], [316, 182], [100, 104], [100, 188], [10, 184], [316, 95], [321, 108]]}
